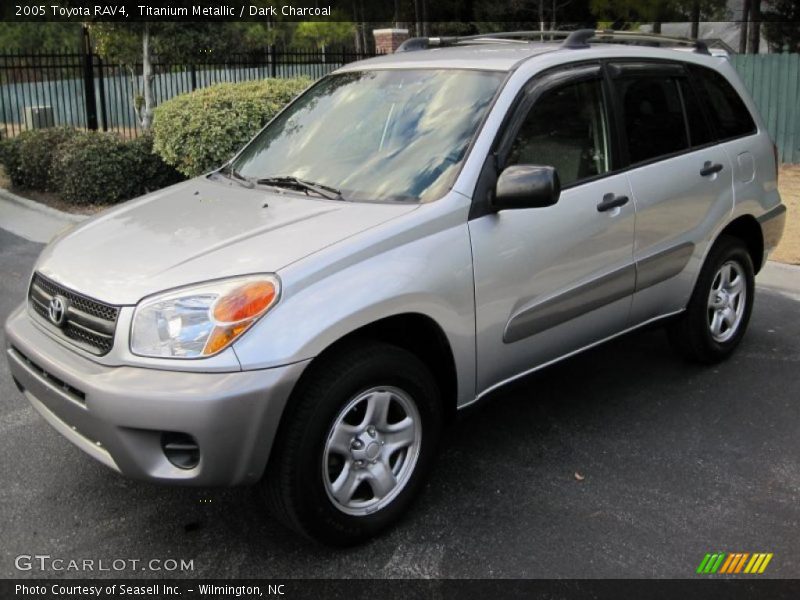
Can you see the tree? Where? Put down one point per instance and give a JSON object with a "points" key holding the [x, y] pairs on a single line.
{"points": [[323, 33], [659, 11], [755, 26], [743, 30], [135, 45], [782, 25], [35, 36]]}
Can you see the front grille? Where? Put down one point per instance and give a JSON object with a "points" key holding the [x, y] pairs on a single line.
{"points": [[88, 323]]}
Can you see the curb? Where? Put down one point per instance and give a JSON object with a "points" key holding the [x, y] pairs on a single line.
{"points": [[40, 208], [784, 267]]}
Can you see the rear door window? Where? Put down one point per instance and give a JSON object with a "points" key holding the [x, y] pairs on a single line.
{"points": [[699, 131], [652, 116], [726, 109]]}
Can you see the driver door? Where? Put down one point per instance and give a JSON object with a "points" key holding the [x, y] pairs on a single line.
{"points": [[552, 280]]}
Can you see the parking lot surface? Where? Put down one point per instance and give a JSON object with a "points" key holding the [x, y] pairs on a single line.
{"points": [[672, 460]]}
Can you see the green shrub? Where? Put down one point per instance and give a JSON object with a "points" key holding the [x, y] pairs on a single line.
{"points": [[102, 168], [199, 131], [28, 158], [150, 171]]}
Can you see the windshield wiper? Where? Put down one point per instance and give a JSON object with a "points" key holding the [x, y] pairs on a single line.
{"points": [[326, 191]]}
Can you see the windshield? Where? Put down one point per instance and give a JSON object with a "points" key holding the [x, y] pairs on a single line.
{"points": [[376, 135]]}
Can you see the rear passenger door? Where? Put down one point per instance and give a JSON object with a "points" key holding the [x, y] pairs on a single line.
{"points": [[680, 181]]}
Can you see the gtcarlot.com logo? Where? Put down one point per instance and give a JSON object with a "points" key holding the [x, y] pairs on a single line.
{"points": [[734, 563], [46, 562]]}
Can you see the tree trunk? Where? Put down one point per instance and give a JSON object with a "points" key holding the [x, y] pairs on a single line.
{"points": [[147, 80], [755, 26], [695, 19], [357, 32], [657, 27], [743, 27], [541, 18]]}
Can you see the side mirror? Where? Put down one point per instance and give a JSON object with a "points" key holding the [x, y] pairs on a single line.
{"points": [[526, 186]]}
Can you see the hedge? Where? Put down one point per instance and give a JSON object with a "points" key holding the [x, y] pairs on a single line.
{"points": [[199, 131], [28, 158], [102, 168], [85, 167]]}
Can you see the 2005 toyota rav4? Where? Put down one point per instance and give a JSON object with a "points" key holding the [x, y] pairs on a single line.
{"points": [[412, 232]]}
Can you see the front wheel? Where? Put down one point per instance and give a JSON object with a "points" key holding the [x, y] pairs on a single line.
{"points": [[355, 444], [719, 310]]}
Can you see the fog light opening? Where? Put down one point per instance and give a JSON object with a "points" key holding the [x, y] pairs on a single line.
{"points": [[181, 449]]}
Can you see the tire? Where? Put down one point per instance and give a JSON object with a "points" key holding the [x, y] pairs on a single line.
{"points": [[321, 444], [728, 313]]}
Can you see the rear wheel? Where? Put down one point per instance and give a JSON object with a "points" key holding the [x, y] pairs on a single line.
{"points": [[355, 444], [718, 312]]}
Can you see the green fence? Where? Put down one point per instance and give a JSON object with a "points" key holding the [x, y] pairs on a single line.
{"points": [[774, 82]]}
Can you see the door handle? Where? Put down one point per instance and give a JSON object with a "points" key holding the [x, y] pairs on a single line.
{"points": [[709, 169], [611, 201]]}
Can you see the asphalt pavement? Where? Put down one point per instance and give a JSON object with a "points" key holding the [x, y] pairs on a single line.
{"points": [[672, 461]]}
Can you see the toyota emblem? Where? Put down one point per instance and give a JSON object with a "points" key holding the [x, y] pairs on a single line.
{"points": [[57, 310]]}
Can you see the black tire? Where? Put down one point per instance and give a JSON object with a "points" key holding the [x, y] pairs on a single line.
{"points": [[690, 332], [293, 484]]}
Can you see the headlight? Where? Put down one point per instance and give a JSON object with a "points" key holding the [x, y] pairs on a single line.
{"points": [[201, 320]]}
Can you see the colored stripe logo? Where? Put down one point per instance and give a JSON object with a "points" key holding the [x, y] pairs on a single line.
{"points": [[732, 563]]}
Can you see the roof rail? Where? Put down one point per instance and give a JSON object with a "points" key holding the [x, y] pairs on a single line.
{"points": [[602, 35], [424, 43], [573, 40]]}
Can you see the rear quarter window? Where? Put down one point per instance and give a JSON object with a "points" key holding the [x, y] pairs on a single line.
{"points": [[726, 109]]}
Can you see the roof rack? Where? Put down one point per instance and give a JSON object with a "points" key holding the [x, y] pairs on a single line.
{"points": [[572, 39]]}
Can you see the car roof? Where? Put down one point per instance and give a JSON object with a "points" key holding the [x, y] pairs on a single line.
{"points": [[492, 56], [505, 56]]}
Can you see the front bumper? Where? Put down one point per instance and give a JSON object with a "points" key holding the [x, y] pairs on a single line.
{"points": [[118, 414]]}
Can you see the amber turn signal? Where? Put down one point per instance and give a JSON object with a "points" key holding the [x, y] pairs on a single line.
{"points": [[236, 311]]}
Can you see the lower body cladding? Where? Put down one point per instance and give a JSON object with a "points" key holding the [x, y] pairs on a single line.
{"points": [[168, 426]]}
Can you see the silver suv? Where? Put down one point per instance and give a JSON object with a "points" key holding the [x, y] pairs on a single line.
{"points": [[411, 233]]}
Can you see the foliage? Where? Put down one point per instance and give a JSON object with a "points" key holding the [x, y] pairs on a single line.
{"points": [[38, 36], [199, 131], [781, 25], [102, 168], [620, 11], [85, 167], [28, 158], [322, 33]]}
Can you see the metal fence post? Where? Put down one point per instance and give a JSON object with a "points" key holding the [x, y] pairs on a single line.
{"points": [[88, 81], [273, 67], [102, 92], [193, 72]]}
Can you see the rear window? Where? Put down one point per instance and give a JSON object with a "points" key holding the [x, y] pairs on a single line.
{"points": [[727, 111]]}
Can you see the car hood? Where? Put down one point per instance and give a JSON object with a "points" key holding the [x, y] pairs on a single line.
{"points": [[200, 230]]}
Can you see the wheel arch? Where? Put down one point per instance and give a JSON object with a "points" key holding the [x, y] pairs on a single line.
{"points": [[415, 332], [747, 229]]}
